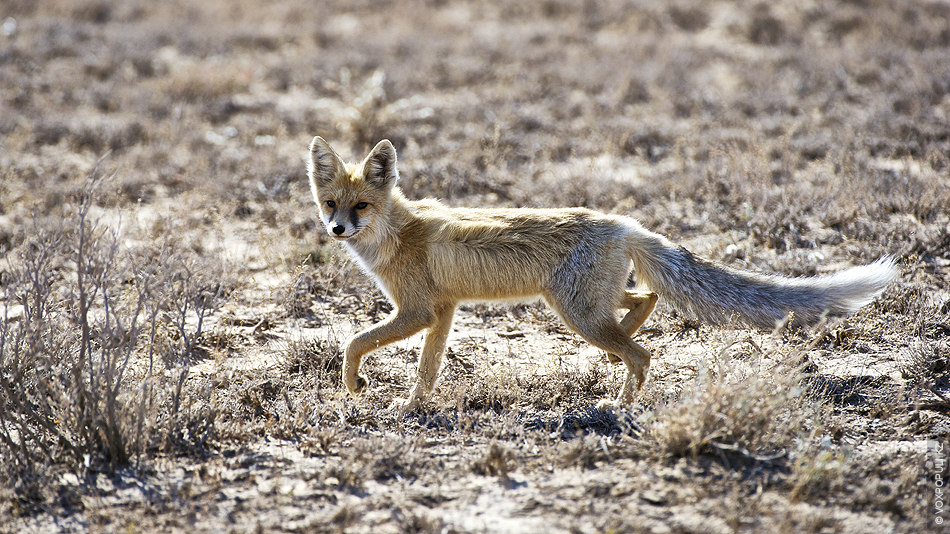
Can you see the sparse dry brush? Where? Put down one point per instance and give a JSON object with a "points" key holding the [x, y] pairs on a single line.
{"points": [[755, 411], [170, 335], [95, 348]]}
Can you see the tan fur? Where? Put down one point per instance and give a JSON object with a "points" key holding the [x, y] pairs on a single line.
{"points": [[428, 258]]}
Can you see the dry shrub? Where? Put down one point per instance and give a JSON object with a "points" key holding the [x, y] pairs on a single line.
{"points": [[754, 412], [497, 461], [379, 458], [421, 522], [586, 452], [95, 346], [489, 393], [817, 467], [926, 359], [321, 358], [201, 80]]}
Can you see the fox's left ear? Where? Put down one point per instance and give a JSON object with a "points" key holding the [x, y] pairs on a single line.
{"points": [[379, 167], [324, 165]]}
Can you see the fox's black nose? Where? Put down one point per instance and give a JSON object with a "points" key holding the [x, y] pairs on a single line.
{"points": [[339, 229]]}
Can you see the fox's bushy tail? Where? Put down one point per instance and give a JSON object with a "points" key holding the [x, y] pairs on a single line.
{"points": [[717, 294]]}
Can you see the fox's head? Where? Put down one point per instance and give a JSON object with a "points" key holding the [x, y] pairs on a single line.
{"points": [[350, 197]]}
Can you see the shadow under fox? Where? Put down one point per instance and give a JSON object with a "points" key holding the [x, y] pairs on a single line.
{"points": [[427, 258]]}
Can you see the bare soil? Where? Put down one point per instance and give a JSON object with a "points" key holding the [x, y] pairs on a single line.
{"points": [[798, 139]]}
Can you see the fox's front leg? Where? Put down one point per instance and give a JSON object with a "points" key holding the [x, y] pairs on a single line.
{"points": [[400, 325], [431, 358]]}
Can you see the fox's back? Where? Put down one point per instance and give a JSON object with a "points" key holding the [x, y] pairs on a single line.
{"points": [[507, 253]]}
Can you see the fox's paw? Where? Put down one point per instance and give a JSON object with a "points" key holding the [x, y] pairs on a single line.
{"points": [[404, 407], [357, 385]]}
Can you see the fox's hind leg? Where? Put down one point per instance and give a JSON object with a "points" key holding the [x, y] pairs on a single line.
{"points": [[599, 327], [585, 291], [610, 337], [641, 305]]}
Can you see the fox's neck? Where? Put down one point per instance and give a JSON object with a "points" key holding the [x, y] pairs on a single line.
{"points": [[375, 246]]}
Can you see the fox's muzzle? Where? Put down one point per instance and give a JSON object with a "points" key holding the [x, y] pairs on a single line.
{"points": [[339, 230]]}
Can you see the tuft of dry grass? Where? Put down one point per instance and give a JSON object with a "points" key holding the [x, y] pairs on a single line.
{"points": [[755, 410], [498, 461]]}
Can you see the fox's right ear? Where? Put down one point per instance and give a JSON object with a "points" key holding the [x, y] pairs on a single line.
{"points": [[325, 165]]}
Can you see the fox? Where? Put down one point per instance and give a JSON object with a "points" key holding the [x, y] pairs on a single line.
{"points": [[428, 258]]}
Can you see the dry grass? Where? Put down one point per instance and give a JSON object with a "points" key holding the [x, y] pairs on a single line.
{"points": [[755, 411], [170, 330], [96, 344]]}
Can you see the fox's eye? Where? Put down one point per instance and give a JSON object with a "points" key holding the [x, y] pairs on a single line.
{"points": [[331, 204], [361, 205]]}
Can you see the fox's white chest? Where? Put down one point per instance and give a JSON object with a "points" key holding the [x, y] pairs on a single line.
{"points": [[369, 261]]}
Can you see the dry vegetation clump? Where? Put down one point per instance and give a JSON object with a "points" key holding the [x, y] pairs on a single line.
{"points": [[753, 411], [170, 336], [95, 348]]}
